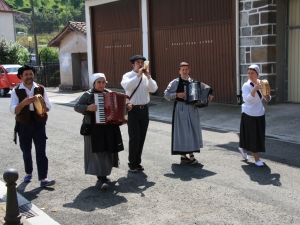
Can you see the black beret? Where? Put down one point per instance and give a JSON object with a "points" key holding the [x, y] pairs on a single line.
{"points": [[136, 57], [23, 68]]}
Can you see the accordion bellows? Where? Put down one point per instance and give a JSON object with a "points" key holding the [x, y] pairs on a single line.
{"points": [[112, 108], [197, 93]]}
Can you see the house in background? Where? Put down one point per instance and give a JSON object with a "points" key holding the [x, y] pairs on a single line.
{"points": [[72, 45], [7, 17], [219, 38]]}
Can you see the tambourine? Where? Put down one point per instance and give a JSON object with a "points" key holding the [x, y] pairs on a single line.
{"points": [[266, 90], [40, 105]]}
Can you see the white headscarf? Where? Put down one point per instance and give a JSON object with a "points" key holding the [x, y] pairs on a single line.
{"points": [[96, 76], [255, 67]]}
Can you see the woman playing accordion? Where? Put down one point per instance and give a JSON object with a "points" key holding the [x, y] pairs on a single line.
{"points": [[101, 147], [186, 127]]}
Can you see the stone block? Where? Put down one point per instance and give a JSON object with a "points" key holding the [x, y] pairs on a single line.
{"points": [[242, 55], [241, 6], [269, 68], [267, 8], [247, 5], [263, 54], [250, 41], [244, 69], [268, 17], [262, 30], [248, 58], [246, 31], [254, 19], [257, 4], [271, 40], [244, 19], [253, 11]]}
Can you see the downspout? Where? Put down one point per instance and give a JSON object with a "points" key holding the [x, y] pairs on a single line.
{"points": [[237, 53], [145, 29]]}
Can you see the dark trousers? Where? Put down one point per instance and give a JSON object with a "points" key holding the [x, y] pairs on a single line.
{"points": [[36, 132], [138, 120]]}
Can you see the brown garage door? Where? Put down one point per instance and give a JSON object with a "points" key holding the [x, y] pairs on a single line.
{"points": [[116, 37], [200, 32]]}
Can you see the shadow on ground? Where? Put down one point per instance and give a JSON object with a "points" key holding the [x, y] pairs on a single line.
{"points": [[93, 197], [262, 175], [187, 172]]}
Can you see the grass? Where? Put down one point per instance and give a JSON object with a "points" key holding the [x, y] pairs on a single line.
{"points": [[41, 39]]}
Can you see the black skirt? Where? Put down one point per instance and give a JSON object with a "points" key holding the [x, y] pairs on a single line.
{"points": [[252, 133], [106, 138]]}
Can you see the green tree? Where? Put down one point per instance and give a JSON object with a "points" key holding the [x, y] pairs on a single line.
{"points": [[48, 54], [46, 21], [13, 53]]}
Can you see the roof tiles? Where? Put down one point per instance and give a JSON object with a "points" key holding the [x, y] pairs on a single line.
{"points": [[4, 7]]}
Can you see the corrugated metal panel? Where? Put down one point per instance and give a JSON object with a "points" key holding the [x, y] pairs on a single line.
{"points": [[207, 46], [113, 52], [116, 37], [178, 12], [120, 15], [294, 52]]}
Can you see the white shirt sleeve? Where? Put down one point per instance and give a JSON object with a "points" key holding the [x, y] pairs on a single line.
{"points": [[46, 99], [130, 81], [14, 101], [152, 85]]}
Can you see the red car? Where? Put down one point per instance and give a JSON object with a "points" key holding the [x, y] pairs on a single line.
{"points": [[8, 78]]}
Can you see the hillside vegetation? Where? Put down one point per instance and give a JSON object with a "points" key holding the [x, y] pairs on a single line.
{"points": [[50, 15]]}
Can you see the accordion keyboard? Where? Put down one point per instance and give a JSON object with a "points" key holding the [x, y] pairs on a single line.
{"points": [[99, 101]]}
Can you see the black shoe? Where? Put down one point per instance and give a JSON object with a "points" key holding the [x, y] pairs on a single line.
{"points": [[194, 161], [132, 168], [140, 167], [186, 159]]}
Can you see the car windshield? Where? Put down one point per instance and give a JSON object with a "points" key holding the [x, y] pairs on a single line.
{"points": [[12, 69]]}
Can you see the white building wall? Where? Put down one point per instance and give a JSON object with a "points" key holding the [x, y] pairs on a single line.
{"points": [[9, 31], [75, 42]]}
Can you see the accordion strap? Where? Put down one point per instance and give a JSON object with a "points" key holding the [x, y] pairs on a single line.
{"points": [[136, 88]]}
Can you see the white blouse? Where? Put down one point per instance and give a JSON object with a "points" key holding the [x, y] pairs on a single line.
{"points": [[252, 105]]}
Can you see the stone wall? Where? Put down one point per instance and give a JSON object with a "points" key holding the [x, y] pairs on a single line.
{"points": [[258, 39]]}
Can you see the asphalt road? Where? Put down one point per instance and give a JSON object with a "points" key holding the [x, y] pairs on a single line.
{"points": [[223, 189]]}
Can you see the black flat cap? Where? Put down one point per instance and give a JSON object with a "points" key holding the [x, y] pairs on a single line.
{"points": [[136, 57]]}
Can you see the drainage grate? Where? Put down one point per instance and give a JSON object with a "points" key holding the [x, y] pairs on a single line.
{"points": [[26, 211]]}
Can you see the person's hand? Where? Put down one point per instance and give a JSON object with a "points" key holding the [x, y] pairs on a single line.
{"points": [[210, 98], [140, 72], [92, 108], [129, 106], [258, 86], [267, 97], [147, 73], [180, 95], [28, 100]]}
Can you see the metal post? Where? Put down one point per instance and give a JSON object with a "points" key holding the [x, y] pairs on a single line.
{"points": [[12, 216]]}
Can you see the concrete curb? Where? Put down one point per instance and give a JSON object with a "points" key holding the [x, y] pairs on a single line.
{"points": [[40, 217]]}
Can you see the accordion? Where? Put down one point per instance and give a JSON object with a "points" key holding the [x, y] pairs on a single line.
{"points": [[112, 108], [197, 93]]}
